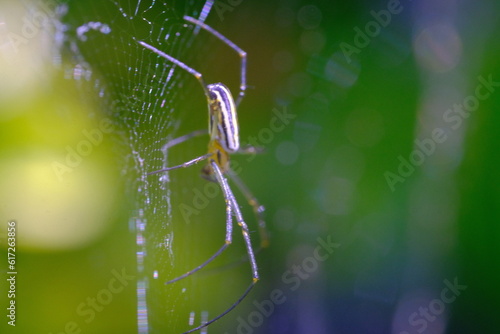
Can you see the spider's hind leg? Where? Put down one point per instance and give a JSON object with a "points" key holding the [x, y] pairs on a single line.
{"points": [[232, 205], [257, 208]]}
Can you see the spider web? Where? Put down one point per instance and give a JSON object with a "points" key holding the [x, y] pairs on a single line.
{"points": [[144, 95]]}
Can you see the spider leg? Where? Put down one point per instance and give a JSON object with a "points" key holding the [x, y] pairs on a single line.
{"points": [[184, 138], [248, 149], [231, 202], [241, 53], [227, 242], [184, 165], [177, 62], [211, 321], [258, 209]]}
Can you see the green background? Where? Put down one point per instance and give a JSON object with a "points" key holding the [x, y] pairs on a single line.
{"points": [[323, 176]]}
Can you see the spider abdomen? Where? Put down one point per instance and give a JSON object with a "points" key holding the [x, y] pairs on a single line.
{"points": [[223, 122]]}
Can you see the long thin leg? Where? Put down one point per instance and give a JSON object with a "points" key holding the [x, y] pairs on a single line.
{"points": [[227, 242], [179, 140], [184, 165], [231, 201], [204, 13], [250, 150], [241, 53], [258, 209], [190, 70], [184, 138], [225, 312]]}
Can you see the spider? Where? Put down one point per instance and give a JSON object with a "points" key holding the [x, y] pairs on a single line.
{"points": [[224, 140]]}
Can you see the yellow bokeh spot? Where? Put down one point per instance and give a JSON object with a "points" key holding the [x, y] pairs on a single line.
{"points": [[55, 212]]}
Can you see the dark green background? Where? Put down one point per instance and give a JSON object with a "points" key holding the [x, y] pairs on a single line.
{"points": [[397, 247]]}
